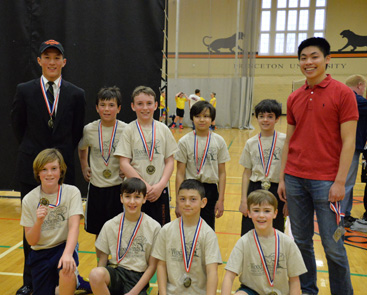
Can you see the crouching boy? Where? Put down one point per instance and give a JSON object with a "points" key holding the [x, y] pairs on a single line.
{"points": [[267, 261], [129, 239], [187, 248], [50, 215]]}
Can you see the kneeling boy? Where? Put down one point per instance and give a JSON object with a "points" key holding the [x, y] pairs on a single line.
{"points": [[187, 248], [50, 215], [128, 238], [267, 261]]}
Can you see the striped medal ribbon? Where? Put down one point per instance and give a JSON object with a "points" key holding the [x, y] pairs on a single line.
{"points": [[100, 141], [50, 109], [188, 259], [271, 153], [119, 237], [205, 153], [262, 257], [150, 152]]}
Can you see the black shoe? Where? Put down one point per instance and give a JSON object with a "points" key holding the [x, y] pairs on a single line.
{"points": [[349, 220], [24, 290]]}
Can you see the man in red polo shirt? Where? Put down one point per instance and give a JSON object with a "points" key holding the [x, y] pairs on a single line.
{"points": [[322, 118]]}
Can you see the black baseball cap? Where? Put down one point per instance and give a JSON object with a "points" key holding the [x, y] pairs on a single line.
{"points": [[51, 44]]}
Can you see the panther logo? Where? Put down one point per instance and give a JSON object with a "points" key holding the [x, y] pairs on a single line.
{"points": [[354, 40], [224, 43]]}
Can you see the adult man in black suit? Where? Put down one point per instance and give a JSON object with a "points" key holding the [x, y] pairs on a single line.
{"points": [[47, 112]]}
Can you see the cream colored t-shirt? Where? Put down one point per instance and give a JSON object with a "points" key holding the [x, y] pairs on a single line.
{"points": [[55, 228], [245, 261], [131, 146], [217, 154], [138, 255], [250, 157], [168, 248], [91, 139]]}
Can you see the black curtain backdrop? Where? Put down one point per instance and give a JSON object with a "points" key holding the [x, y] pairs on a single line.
{"points": [[106, 42]]}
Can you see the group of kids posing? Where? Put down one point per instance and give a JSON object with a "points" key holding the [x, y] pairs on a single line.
{"points": [[130, 243], [185, 252]]}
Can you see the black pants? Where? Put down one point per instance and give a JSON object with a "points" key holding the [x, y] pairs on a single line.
{"points": [[159, 210], [207, 213], [278, 222]]}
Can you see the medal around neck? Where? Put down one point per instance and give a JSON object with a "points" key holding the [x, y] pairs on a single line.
{"points": [[50, 123], [265, 184], [150, 169], [44, 202], [107, 173], [186, 281], [273, 293]]}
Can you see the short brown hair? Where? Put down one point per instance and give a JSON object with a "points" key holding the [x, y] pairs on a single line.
{"points": [[143, 89], [47, 156], [262, 196], [354, 80]]}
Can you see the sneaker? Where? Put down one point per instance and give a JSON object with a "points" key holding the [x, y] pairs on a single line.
{"points": [[356, 226], [24, 290], [84, 286], [181, 127], [362, 221], [173, 126]]}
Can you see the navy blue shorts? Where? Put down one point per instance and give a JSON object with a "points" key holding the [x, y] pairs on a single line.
{"points": [[180, 113], [45, 274]]}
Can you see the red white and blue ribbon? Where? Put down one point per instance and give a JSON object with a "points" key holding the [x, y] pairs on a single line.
{"points": [[119, 237], [188, 259], [58, 199], [271, 153], [100, 141], [50, 109], [150, 152], [205, 153], [263, 260], [336, 208]]}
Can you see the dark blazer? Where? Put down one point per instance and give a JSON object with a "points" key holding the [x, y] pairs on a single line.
{"points": [[30, 118]]}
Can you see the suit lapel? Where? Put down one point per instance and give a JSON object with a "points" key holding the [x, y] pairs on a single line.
{"points": [[62, 103]]}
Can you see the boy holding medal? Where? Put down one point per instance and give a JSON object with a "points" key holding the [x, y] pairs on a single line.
{"points": [[202, 155], [129, 239], [146, 149], [187, 248], [101, 138], [50, 215], [267, 260], [261, 158]]}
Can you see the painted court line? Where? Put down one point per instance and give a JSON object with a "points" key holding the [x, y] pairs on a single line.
{"points": [[11, 249]]}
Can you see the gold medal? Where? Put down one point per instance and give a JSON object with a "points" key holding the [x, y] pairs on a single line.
{"points": [[150, 169], [44, 202], [107, 173], [265, 184], [50, 123], [273, 293], [187, 282]]}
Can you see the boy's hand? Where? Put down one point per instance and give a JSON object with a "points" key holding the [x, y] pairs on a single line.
{"points": [[219, 209], [281, 191], [285, 210], [42, 213], [154, 192], [243, 208], [121, 174], [87, 172], [67, 263]]}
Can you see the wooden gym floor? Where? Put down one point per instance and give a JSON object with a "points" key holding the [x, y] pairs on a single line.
{"points": [[227, 227]]}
